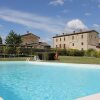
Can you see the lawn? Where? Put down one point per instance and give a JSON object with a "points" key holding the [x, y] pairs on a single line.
{"points": [[13, 59], [63, 59], [82, 60]]}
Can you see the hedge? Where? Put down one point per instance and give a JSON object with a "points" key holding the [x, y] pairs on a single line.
{"points": [[71, 52]]}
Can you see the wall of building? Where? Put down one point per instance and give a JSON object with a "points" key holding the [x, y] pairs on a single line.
{"points": [[99, 40], [29, 39], [93, 47], [78, 41], [33, 41], [93, 39]]}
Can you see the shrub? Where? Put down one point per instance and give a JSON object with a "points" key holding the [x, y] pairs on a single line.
{"points": [[51, 56], [61, 52], [90, 53], [97, 54], [78, 52], [71, 52]]}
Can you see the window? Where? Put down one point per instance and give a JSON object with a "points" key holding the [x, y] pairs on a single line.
{"points": [[60, 39], [73, 44], [82, 49], [59, 45], [98, 43], [72, 37], [64, 46], [90, 36], [56, 40], [56, 46], [82, 43], [98, 35], [82, 36], [64, 39]]}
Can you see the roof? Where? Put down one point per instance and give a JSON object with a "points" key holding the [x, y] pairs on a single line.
{"points": [[44, 43], [30, 34], [33, 43], [75, 33], [38, 43]]}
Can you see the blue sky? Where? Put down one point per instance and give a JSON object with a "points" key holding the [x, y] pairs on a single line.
{"points": [[47, 18]]}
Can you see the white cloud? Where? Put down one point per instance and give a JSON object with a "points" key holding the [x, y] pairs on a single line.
{"points": [[76, 24], [56, 2], [32, 20], [65, 11], [98, 6], [48, 25], [46, 39], [96, 27], [87, 14]]}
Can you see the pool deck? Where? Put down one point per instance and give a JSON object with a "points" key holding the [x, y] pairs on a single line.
{"points": [[91, 97], [65, 64]]}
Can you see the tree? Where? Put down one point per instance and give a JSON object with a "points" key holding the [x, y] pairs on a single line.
{"points": [[0, 40], [12, 40], [1, 48]]}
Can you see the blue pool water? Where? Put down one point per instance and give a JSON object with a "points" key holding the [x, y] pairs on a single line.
{"points": [[29, 81]]}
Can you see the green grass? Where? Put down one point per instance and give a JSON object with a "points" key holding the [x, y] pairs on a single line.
{"points": [[14, 59], [63, 59], [81, 60]]}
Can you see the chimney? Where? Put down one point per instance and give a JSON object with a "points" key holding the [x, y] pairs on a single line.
{"points": [[80, 30], [27, 32], [63, 33], [56, 34], [74, 32]]}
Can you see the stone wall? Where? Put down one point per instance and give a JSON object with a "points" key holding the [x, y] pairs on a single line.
{"points": [[77, 41], [28, 39]]}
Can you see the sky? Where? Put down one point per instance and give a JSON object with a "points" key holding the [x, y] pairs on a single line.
{"points": [[46, 18]]}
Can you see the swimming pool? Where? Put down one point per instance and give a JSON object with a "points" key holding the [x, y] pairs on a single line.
{"points": [[47, 81]]}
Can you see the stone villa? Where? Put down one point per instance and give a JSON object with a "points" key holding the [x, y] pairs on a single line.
{"points": [[31, 40], [82, 40]]}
